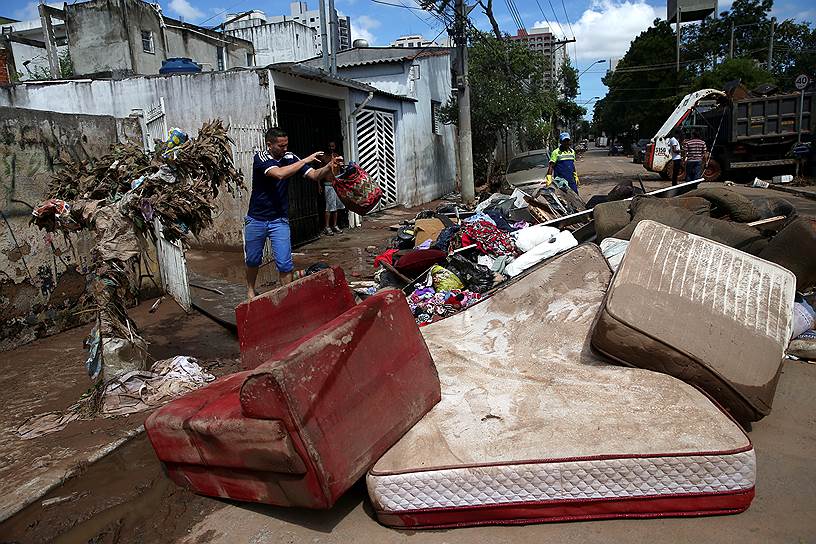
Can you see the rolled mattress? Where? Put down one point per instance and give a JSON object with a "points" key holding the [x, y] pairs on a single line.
{"points": [[533, 426]]}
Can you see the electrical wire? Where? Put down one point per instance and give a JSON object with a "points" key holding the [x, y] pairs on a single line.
{"points": [[568, 19]]}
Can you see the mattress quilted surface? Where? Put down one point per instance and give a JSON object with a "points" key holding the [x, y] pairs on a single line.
{"points": [[530, 416]]}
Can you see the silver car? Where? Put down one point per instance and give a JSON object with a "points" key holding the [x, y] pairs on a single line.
{"points": [[528, 170]]}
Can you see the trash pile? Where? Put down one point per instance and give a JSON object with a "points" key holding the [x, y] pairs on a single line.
{"points": [[448, 259], [565, 390], [127, 198], [133, 392]]}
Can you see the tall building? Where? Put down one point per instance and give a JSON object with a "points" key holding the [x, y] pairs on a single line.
{"points": [[413, 41], [542, 41], [299, 11]]}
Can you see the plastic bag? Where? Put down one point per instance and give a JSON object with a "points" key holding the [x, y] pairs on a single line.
{"points": [[357, 190], [477, 278], [445, 280], [527, 239]]}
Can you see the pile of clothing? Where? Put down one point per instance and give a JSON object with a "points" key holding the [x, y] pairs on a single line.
{"points": [[448, 259]]}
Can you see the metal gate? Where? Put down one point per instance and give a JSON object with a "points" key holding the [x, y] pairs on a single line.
{"points": [[375, 151], [172, 267], [247, 140], [156, 123]]}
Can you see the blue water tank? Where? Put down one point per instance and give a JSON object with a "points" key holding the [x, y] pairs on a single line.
{"points": [[179, 65]]}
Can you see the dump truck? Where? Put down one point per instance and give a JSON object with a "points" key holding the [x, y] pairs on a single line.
{"points": [[741, 133]]}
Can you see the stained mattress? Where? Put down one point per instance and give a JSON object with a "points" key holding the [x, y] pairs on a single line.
{"points": [[533, 426], [706, 313]]}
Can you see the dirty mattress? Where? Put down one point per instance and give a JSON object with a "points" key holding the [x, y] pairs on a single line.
{"points": [[703, 312], [533, 426]]}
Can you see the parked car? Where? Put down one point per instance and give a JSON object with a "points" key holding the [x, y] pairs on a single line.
{"points": [[615, 149], [529, 169], [639, 150]]}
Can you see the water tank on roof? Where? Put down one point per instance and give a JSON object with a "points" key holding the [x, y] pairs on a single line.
{"points": [[359, 44], [179, 65], [690, 10]]}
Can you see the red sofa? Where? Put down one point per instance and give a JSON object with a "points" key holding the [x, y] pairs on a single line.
{"points": [[310, 419]]}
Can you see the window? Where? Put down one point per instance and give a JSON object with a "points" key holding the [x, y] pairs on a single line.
{"points": [[311, 19], [436, 124], [220, 64], [249, 59], [147, 42]]}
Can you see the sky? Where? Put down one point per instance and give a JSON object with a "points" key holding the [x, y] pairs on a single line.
{"points": [[603, 29]]}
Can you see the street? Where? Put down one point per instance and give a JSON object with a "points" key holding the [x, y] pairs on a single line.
{"points": [[125, 497]]}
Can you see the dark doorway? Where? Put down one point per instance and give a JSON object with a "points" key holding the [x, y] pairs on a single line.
{"points": [[311, 123]]}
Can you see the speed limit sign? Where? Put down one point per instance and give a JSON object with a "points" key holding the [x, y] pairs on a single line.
{"points": [[802, 81]]}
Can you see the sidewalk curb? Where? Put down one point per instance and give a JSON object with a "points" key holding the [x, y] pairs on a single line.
{"points": [[97, 455], [794, 191]]}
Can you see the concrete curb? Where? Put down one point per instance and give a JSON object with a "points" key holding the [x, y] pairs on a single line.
{"points": [[39, 492], [794, 191]]}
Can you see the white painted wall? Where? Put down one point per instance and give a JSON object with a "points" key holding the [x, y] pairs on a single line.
{"points": [[426, 163], [279, 42]]}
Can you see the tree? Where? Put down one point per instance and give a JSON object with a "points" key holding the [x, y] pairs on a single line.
{"points": [[503, 103], [639, 94], [747, 71]]}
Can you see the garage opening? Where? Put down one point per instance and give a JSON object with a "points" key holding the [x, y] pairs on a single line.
{"points": [[311, 122]]}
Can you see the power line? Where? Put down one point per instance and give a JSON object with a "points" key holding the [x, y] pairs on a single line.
{"points": [[568, 19]]}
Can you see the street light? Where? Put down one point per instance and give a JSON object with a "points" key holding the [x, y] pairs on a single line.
{"points": [[590, 66]]}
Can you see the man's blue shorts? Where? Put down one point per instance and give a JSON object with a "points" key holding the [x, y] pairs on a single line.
{"points": [[255, 234]]}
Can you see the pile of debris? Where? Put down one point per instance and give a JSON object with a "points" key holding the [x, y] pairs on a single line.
{"points": [[559, 390], [447, 259], [127, 198]]}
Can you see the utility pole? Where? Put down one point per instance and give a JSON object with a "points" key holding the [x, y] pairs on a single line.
{"points": [[770, 45], [324, 39], [463, 99], [334, 37], [731, 43], [677, 27]]}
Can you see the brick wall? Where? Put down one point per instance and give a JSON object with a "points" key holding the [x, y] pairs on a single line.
{"points": [[5, 77]]}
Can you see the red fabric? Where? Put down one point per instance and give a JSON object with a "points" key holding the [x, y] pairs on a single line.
{"points": [[572, 510], [386, 256], [307, 304], [489, 238], [414, 262], [357, 190], [302, 427]]}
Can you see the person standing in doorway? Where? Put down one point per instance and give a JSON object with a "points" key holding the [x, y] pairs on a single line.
{"points": [[561, 169], [696, 152], [268, 214], [674, 151], [333, 204]]}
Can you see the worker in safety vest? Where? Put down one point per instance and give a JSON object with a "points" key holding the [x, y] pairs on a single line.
{"points": [[562, 165]]}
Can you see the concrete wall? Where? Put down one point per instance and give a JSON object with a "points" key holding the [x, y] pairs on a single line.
{"points": [[42, 288], [106, 36], [241, 97], [426, 163], [279, 42], [98, 38]]}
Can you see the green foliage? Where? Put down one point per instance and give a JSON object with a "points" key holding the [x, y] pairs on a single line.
{"points": [[507, 92], [42, 72], [645, 97], [642, 98], [746, 70]]}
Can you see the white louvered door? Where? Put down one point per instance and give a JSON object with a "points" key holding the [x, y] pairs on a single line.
{"points": [[375, 152]]}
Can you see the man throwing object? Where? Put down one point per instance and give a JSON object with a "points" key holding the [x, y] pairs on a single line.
{"points": [[268, 215]]}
